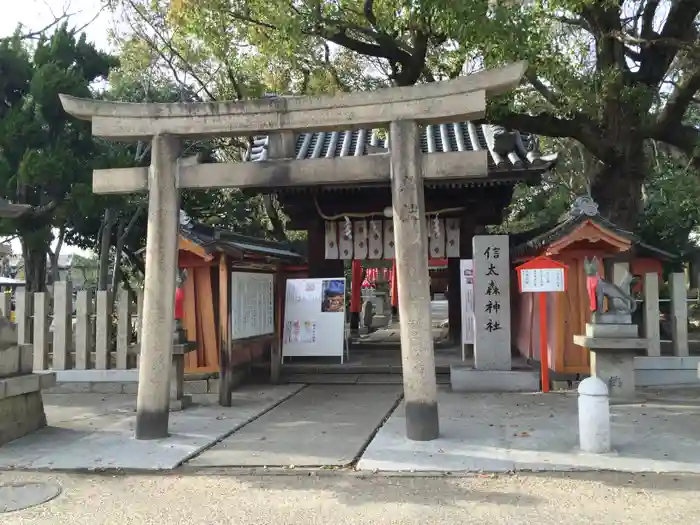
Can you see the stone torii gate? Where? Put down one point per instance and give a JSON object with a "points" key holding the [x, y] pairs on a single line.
{"points": [[402, 109]]}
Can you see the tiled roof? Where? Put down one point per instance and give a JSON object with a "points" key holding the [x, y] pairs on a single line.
{"points": [[216, 239], [521, 152], [526, 243]]}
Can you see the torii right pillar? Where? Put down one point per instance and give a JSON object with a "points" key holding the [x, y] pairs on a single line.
{"points": [[411, 242]]}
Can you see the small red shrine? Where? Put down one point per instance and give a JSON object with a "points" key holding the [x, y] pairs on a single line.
{"points": [[583, 233]]}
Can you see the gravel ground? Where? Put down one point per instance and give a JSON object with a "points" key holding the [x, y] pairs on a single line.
{"points": [[191, 499]]}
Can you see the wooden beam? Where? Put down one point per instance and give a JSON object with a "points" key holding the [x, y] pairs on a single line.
{"points": [[366, 169], [187, 245]]}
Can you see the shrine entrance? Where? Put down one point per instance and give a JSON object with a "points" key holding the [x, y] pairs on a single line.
{"points": [[427, 177], [350, 227]]}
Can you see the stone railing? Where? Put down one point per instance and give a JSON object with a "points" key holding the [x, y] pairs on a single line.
{"points": [[89, 335]]}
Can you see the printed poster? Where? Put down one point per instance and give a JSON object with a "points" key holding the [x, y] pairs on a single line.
{"points": [[333, 295]]}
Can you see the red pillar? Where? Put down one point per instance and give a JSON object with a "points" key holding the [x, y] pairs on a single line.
{"points": [[355, 294], [394, 291]]}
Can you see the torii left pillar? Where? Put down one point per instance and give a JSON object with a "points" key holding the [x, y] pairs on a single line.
{"points": [[153, 401]]}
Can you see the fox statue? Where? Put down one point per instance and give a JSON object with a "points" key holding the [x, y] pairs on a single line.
{"points": [[619, 301]]}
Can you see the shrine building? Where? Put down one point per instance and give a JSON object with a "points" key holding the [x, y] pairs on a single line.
{"points": [[353, 221], [582, 233]]}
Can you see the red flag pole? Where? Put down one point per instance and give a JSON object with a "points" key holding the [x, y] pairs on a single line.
{"points": [[544, 351]]}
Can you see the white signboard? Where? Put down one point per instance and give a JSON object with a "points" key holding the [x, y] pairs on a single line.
{"points": [[314, 318], [492, 302], [542, 280], [252, 304], [466, 269]]}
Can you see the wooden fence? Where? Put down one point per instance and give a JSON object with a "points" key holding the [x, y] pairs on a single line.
{"points": [[87, 335]]}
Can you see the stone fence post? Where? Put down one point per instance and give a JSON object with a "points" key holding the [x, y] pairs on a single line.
{"points": [[679, 314], [652, 330]]}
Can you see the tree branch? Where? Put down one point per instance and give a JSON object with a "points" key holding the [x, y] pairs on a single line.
{"points": [[685, 138], [543, 90], [677, 104], [658, 55], [40, 32], [647, 30], [369, 12], [578, 128], [171, 48]]}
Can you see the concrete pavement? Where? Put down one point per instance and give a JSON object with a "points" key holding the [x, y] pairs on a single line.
{"points": [[342, 499], [505, 432], [328, 425], [323, 425], [96, 431]]}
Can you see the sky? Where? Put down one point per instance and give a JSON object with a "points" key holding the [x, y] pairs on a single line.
{"points": [[37, 14]]}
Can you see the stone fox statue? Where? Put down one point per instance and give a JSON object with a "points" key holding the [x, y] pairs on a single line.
{"points": [[598, 289]]}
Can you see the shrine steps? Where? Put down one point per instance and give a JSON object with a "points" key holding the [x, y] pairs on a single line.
{"points": [[352, 379]]}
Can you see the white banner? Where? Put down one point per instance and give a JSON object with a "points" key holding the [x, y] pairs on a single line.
{"points": [[466, 270], [252, 304]]}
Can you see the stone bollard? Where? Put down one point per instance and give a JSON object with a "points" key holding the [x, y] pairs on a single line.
{"points": [[594, 416]]}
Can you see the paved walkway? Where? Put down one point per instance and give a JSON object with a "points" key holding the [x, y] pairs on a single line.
{"points": [[505, 432], [323, 425], [95, 431], [565, 499], [329, 425]]}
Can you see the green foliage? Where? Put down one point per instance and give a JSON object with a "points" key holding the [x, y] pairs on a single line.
{"points": [[598, 77], [672, 207], [46, 156]]}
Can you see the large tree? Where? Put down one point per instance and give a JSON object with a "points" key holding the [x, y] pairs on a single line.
{"points": [[609, 74], [46, 157], [167, 62]]}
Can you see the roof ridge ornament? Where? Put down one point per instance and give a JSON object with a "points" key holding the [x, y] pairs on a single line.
{"points": [[185, 220], [583, 205]]}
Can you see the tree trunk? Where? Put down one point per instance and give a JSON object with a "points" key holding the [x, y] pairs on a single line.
{"points": [[53, 257], [35, 266], [275, 220], [617, 188], [54, 254], [136, 261], [116, 271], [105, 245]]}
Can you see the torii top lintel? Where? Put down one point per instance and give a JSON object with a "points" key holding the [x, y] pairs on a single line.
{"points": [[463, 98]]}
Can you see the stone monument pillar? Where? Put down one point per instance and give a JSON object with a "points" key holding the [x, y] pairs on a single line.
{"points": [[181, 346], [611, 337], [492, 302]]}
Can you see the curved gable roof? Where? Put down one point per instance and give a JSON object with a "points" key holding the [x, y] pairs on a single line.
{"points": [[506, 150]]}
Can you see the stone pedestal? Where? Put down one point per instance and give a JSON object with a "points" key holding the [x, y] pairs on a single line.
{"points": [[613, 348], [21, 405], [467, 379], [181, 347]]}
